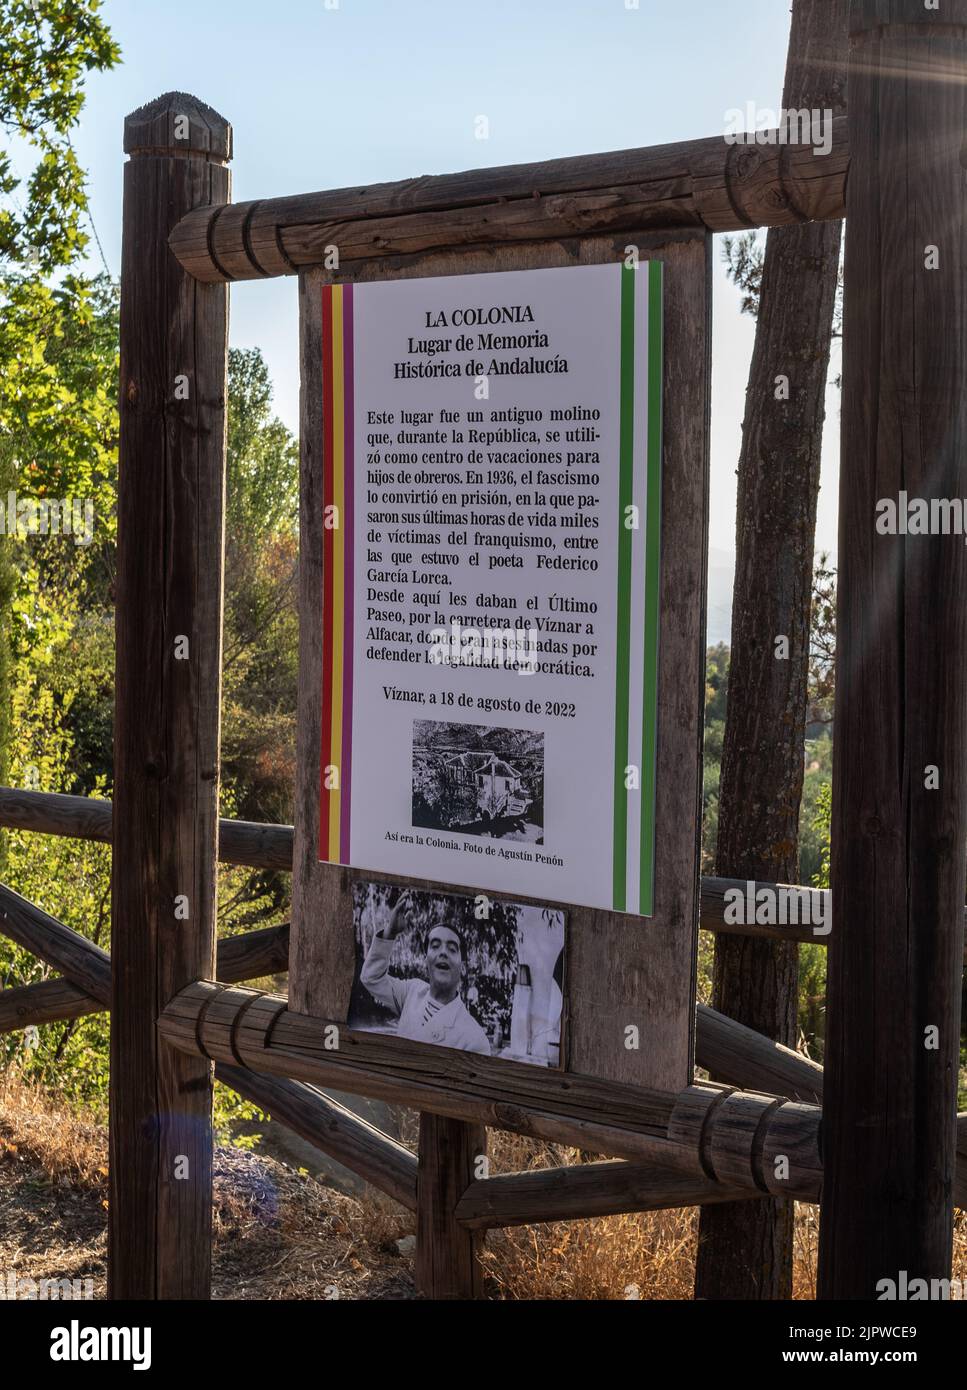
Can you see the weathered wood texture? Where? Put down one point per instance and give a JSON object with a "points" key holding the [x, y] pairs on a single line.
{"points": [[736, 1054], [901, 699], [747, 1252], [332, 1128], [258, 845], [87, 966], [744, 1058], [317, 1118], [620, 970], [171, 484], [46, 1001], [447, 1263], [245, 957], [710, 184], [249, 843], [739, 1056], [586, 1190], [806, 909], [705, 1130], [261, 846]]}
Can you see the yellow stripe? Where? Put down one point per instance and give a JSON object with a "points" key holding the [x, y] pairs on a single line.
{"points": [[338, 560]]}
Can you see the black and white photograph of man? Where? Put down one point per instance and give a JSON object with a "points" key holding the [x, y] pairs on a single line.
{"points": [[458, 971]]}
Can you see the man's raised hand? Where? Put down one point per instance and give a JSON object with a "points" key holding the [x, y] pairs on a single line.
{"points": [[399, 917]]}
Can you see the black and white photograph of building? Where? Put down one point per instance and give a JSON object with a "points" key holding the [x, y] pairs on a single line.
{"points": [[478, 780]]}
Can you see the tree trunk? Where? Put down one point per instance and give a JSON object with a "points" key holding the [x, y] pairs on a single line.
{"points": [[745, 1249]]}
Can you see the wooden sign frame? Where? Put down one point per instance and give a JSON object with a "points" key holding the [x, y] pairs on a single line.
{"points": [[622, 971]]}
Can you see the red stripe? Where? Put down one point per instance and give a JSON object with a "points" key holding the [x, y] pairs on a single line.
{"points": [[326, 750], [345, 777]]}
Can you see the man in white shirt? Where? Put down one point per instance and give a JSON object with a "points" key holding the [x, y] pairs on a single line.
{"points": [[430, 1010]]}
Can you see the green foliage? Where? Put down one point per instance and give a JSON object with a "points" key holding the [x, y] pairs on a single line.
{"points": [[263, 457], [716, 699], [71, 879], [62, 428], [62, 699], [813, 957], [822, 647], [744, 257], [817, 810], [47, 47], [260, 665], [46, 417]]}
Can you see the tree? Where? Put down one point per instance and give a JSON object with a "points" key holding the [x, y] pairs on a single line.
{"points": [[716, 698], [745, 1249], [260, 663], [46, 49]]}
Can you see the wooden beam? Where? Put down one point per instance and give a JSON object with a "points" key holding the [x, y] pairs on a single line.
{"points": [[898, 844], [85, 965], [740, 1056], [171, 489], [804, 907], [244, 957], [585, 1190], [258, 845], [331, 1128], [736, 1054], [53, 813], [47, 1001], [251, 844], [697, 183], [700, 1130], [753, 1061], [447, 1261]]}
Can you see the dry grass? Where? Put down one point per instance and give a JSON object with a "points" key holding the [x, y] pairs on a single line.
{"points": [[66, 1147], [281, 1235], [276, 1233], [648, 1256]]}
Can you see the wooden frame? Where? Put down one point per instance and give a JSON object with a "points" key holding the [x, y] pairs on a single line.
{"points": [[897, 854], [621, 971], [171, 483]]}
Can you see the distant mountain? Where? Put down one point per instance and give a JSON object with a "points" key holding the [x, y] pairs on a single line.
{"points": [[721, 571]]}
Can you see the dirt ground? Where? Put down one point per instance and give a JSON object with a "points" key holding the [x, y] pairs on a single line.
{"points": [[277, 1233]]}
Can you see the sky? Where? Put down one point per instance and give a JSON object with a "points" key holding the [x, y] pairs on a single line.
{"points": [[330, 93]]}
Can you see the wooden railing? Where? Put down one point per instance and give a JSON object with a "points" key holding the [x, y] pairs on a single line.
{"points": [[710, 1143]]}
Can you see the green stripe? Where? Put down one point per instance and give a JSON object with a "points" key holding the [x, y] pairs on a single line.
{"points": [[649, 728], [623, 664]]}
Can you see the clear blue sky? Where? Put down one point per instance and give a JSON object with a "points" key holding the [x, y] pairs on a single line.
{"points": [[384, 89]]}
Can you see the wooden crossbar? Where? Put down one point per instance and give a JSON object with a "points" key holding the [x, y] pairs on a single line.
{"points": [[256, 845], [732, 1052], [709, 183]]}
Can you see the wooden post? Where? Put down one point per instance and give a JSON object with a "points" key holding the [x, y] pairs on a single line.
{"points": [[899, 829], [746, 1250], [169, 608], [446, 1251]]}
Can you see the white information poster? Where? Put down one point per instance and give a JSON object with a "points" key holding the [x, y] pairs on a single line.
{"points": [[492, 495]]}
